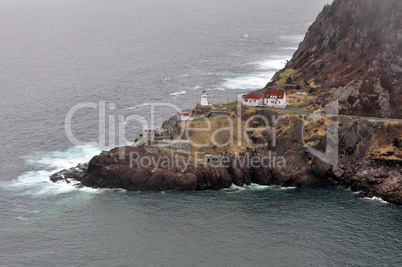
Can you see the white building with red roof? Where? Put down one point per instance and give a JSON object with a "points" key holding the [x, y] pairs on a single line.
{"points": [[276, 99], [184, 116], [251, 100]]}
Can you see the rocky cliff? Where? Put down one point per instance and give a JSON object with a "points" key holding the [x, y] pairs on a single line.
{"points": [[369, 159], [351, 53]]}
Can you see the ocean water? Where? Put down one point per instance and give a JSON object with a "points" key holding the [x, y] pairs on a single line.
{"points": [[56, 55]]}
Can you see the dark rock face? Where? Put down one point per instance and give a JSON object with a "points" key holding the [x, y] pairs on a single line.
{"points": [[70, 175], [372, 178], [240, 172], [288, 146], [137, 170], [151, 172], [353, 52]]}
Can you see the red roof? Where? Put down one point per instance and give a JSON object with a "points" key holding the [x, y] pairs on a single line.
{"points": [[274, 94], [252, 96], [185, 114]]}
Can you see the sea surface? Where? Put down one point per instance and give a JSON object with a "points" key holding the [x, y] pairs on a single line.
{"points": [[101, 61]]}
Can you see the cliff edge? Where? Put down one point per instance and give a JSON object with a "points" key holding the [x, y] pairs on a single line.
{"points": [[351, 53]]}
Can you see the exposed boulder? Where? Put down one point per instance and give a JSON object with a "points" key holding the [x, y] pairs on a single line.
{"points": [[71, 174]]}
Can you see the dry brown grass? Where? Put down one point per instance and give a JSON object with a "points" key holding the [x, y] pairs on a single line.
{"points": [[216, 136], [296, 100], [382, 146], [285, 75], [313, 84]]}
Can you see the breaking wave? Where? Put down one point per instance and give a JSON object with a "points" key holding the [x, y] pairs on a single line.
{"points": [[37, 182], [377, 199], [264, 71], [297, 38], [256, 187], [178, 93]]}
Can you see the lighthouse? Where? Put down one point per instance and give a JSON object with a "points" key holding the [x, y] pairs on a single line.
{"points": [[204, 99]]}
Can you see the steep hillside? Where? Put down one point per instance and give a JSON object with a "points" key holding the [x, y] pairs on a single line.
{"points": [[351, 53]]}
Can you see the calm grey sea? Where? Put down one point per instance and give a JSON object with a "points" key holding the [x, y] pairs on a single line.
{"points": [[55, 55]]}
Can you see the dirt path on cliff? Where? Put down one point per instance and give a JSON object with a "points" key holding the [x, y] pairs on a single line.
{"points": [[295, 110]]}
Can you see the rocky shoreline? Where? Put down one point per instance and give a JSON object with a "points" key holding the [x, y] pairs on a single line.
{"points": [[371, 179], [342, 59], [357, 169]]}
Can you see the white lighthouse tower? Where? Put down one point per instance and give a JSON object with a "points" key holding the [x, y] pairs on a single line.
{"points": [[204, 99]]}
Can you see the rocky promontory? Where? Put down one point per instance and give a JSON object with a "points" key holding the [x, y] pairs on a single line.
{"points": [[367, 162], [351, 55]]}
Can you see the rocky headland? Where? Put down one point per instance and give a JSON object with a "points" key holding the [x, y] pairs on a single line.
{"points": [[369, 158], [351, 55]]}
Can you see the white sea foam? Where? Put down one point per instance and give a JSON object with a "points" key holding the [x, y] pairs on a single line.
{"points": [[37, 182], [292, 38], [233, 187], [294, 48], [251, 187], [178, 93], [376, 199], [273, 63], [249, 81], [216, 89], [287, 188], [264, 71], [258, 187], [63, 159]]}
